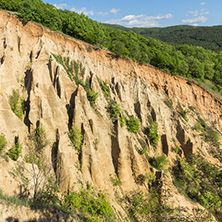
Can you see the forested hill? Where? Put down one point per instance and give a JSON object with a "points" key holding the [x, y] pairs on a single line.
{"points": [[207, 37], [184, 60]]}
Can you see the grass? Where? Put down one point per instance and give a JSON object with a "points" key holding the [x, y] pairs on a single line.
{"points": [[14, 200]]}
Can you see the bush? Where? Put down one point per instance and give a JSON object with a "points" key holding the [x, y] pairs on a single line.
{"points": [[92, 96], [76, 138], [169, 103], [17, 103], [133, 124], [152, 132], [92, 206], [114, 110], [15, 151], [39, 138], [158, 162], [199, 180], [3, 142]]}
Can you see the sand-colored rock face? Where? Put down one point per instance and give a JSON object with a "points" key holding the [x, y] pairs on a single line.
{"points": [[27, 64]]}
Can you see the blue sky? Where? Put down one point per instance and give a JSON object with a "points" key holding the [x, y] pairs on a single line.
{"points": [[147, 13]]}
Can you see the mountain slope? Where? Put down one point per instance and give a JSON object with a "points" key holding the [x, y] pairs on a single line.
{"points": [[206, 37], [73, 88]]}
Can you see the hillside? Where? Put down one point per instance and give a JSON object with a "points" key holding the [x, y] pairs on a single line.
{"points": [[184, 60], [204, 36], [86, 135]]}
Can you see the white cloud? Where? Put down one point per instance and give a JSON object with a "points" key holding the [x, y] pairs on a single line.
{"points": [[83, 10], [140, 20], [198, 16], [61, 6], [113, 11], [199, 13], [195, 21], [103, 13], [203, 3]]}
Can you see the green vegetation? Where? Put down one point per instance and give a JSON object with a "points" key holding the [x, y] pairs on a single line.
{"points": [[3, 142], [17, 103], [75, 72], [183, 112], [177, 150], [115, 112], [152, 131], [76, 138], [15, 151], [209, 134], [116, 181], [13, 199], [133, 124], [91, 206], [143, 145], [206, 37], [39, 137], [158, 162], [200, 181], [105, 87], [169, 103], [185, 60]]}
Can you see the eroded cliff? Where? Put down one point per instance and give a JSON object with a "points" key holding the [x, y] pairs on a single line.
{"points": [[35, 61]]}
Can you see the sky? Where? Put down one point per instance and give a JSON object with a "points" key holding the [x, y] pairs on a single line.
{"points": [[147, 13]]}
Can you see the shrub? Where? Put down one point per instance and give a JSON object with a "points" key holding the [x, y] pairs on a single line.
{"points": [[115, 181], [133, 124], [158, 162], [93, 206], [169, 103], [152, 132], [183, 112], [76, 138], [92, 96], [39, 138], [3, 142], [15, 151], [17, 103], [114, 110], [199, 180]]}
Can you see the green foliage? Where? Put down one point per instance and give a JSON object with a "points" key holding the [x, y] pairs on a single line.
{"points": [[116, 181], [75, 72], [39, 138], [183, 112], [199, 180], [3, 142], [209, 134], [133, 124], [15, 151], [114, 110], [76, 138], [152, 132], [145, 207], [177, 150], [158, 162], [14, 200], [169, 103], [105, 88], [92, 96], [17, 103], [93, 207], [185, 60]]}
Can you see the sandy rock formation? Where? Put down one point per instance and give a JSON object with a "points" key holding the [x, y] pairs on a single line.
{"points": [[56, 102]]}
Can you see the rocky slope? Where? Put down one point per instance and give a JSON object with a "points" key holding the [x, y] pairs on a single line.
{"points": [[28, 64]]}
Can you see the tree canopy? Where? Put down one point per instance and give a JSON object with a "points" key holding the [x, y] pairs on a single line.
{"points": [[185, 60]]}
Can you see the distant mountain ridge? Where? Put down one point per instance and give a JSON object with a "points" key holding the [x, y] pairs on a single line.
{"points": [[205, 36]]}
